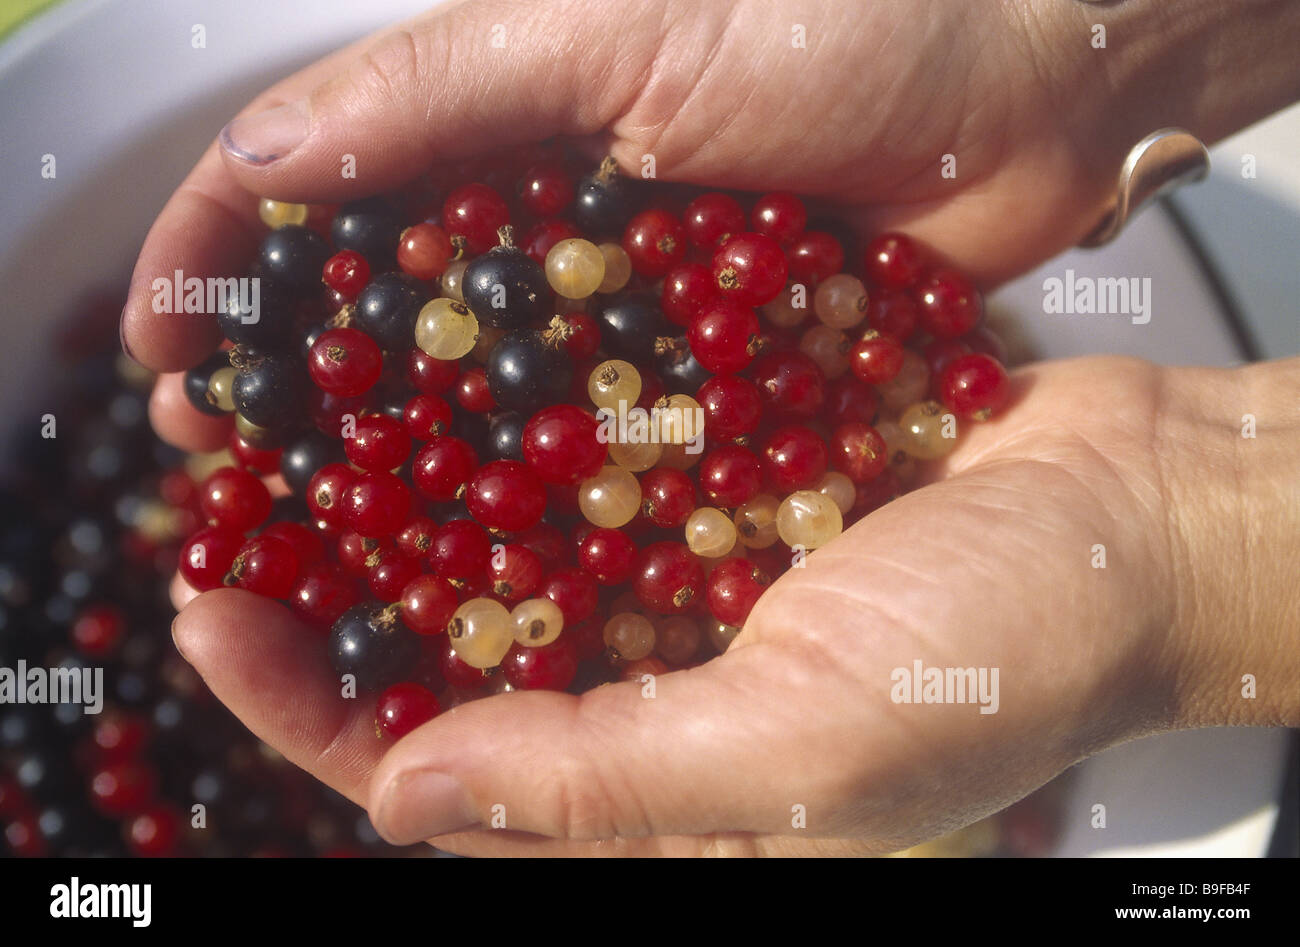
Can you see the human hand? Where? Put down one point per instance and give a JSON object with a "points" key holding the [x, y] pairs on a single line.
{"points": [[740, 120]]}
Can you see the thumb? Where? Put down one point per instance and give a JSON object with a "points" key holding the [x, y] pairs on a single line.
{"points": [[455, 82], [707, 750]]}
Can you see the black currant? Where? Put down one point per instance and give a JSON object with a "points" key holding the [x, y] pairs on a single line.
{"points": [[505, 287], [387, 308], [677, 366], [525, 371], [271, 391], [268, 328], [196, 383], [370, 642], [294, 256], [305, 455], [505, 436], [604, 201], [629, 325], [371, 227]]}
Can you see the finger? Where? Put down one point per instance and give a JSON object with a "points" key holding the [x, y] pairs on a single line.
{"points": [[209, 227], [710, 750], [272, 672], [181, 424], [503, 843], [453, 83]]}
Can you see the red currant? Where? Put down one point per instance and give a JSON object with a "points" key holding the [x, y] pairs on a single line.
{"points": [[427, 417], [345, 362], [443, 466], [472, 391], [235, 499], [560, 444], [326, 490], [667, 577], [538, 241], [424, 251], [849, 398], [546, 190], [154, 833], [551, 667], [730, 476], [975, 386], [654, 241], [609, 555], [391, 575], [894, 313], [724, 337], [949, 305], [893, 261], [206, 556], [377, 503], [460, 550], [859, 451], [381, 443], [307, 544], [475, 212], [750, 268], [574, 591], [347, 273], [813, 256], [780, 215], [711, 218], [794, 457], [688, 288], [98, 630], [265, 565], [404, 707], [429, 375], [428, 602], [506, 494], [790, 384], [667, 497], [732, 406], [322, 593], [876, 358], [734, 586], [259, 461]]}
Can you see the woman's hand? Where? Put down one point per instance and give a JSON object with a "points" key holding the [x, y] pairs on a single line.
{"points": [[992, 565]]}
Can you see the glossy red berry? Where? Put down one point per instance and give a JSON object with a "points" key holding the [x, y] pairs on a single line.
{"points": [[790, 384], [460, 550], [734, 586], [359, 554], [474, 212], [539, 240], [894, 313], [667, 577], [258, 461], [893, 261], [667, 497], [380, 443], [415, 539], [730, 476], [688, 288], [949, 305], [472, 391], [794, 457], [750, 268], [711, 218], [549, 542], [546, 190], [584, 336], [859, 451], [849, 398], [780, 215], [347, 273], [404, 707], [235, 499], [307, 543], [514, 572], [940, 353], [551, 667], [376, 504], [975, 386], [876, 358], [427, 417], [326, 490], [507, 495], [732, 406], [654, 241], [608, 554], [424, 251], [443, 466], [117, 736], [428, 602], [391, 574], [206, 556], [813, 256], [429, 375], [574, 591], [561, 445], [322, 593], [345, 362], [265, 565], [455, 671], [724, 337]]}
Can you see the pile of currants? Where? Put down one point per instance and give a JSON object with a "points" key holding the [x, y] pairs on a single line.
{"points": [[550, 430]]}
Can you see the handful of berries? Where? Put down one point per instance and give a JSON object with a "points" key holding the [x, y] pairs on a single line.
{"points": [[570, 436]]}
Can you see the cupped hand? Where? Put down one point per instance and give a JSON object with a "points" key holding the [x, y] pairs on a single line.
{"points": [[991, 565]]}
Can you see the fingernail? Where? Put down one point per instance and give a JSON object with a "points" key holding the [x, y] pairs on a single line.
{"points": [[176, 641], [267, 136], [422, 804], [121, 335]]}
